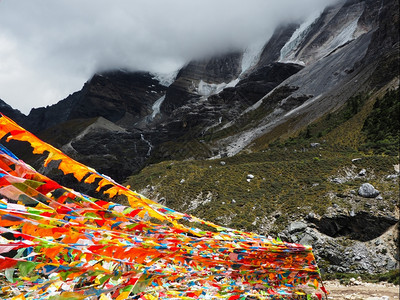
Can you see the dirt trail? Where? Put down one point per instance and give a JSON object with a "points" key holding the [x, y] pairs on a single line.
{"points": [[358, 290]]}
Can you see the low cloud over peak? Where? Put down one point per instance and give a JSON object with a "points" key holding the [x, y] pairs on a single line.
{"points": [[50, 48]]}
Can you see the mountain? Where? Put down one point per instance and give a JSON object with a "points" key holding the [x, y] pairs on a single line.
{"points": [[285, 136], [119, 96]]}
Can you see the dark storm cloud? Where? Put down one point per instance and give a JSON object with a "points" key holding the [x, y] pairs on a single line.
{"points": [[49, 48]]}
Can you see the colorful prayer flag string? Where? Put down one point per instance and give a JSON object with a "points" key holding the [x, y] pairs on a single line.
{"points": [[56, 243]]}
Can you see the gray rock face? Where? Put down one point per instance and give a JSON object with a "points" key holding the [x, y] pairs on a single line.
{"points": [[330, 31], [361, 226], [45, 117], [367, 190], [333, 52], [337, 254], [113, 95], [263, 80], [115, 154], [296, 227]]}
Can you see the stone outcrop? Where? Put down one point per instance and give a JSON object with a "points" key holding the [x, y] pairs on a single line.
{"points": [[367, 190], [368, 251], [257, 84]]}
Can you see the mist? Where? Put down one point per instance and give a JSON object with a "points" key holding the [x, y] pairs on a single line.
{"points": [[49, 48]]}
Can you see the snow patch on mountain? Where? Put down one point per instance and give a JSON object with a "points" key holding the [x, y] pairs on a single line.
{"points": [[148, 143], [206, 89], [288, 51], [165, 79], [249, 59], [156, 107], [251, 56], [338, 30]]}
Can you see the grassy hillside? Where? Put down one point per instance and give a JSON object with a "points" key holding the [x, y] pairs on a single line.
{"points": [[285, 183]]}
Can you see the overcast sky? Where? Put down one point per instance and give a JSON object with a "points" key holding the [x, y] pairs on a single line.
{"points": [[50, 48]]}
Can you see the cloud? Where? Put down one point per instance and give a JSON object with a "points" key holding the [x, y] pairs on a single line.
{"points": [[50, 48]]}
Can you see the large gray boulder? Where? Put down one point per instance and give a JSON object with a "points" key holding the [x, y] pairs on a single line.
{"points": [[296, 227], [367, 190]]}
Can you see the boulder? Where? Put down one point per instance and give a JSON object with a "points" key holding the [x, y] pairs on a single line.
{"points": [[296, 227], [307, 239], [367, 190]]}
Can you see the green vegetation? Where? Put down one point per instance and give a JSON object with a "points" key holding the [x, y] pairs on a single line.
{"points": [[382, 126], [333, 120], [365, 123], [387, 69], [341, 130], [183, 148]]}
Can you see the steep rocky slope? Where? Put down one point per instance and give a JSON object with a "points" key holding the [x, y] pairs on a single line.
{"points": [[337, 52]]}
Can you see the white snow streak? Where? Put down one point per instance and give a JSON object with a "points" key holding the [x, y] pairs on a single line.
{"points": [[148, 143], [289, 49], [207, 89], [156, 107]]}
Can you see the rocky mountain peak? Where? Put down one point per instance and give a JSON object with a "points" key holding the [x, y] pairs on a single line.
{"points": [[12, 113], [188, 83]]}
